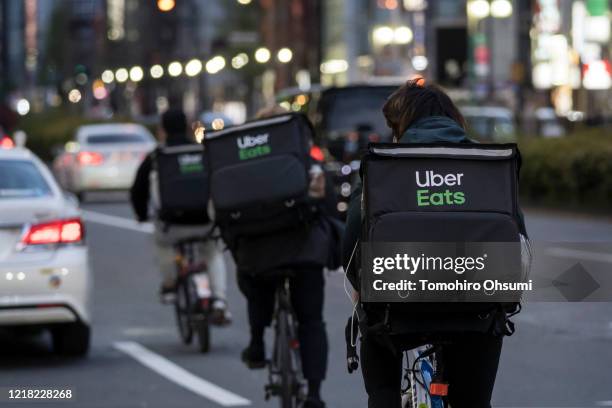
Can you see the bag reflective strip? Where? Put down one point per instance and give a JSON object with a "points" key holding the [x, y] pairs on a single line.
{"points": [[187, 148], [259, 123], [449, 151]]}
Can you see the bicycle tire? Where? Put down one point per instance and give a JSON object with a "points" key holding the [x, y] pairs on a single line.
{"points": [[288, 380], [203, 329], [182, 307]]}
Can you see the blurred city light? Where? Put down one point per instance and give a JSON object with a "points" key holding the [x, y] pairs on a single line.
{"points": [[218, 124], [215, 64], [240, 60], [334, 66], [501, 8], [383, 35], [99, 90], [244, 2], [23, 106], [198, 131], [284, 55], [478, 9], [156, 71], [108, 76], [420, 62], [166, 5], [262, 55], [175, 69], [136, 74], [121, 75], [81, 78], [193, 67], [74, 95], [402, 35]]}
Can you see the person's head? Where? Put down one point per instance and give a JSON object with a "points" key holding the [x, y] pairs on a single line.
{"points": [[416, 100], [174, 124]]}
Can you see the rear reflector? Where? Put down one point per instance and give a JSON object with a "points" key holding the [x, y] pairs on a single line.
{"points": [[316, 153], [54, 232], [89, 158]]}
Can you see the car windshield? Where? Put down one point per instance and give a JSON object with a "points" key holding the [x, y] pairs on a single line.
{"points": [[117, 138], [356, 109], [21, 179]]}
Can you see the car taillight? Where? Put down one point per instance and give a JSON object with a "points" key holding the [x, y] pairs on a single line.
{"points": [[317, 153], [6, 143], [89, 158], [54, 232]]}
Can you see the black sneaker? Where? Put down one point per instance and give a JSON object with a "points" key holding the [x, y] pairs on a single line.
{"points": [[313, 403], [254, 356]]}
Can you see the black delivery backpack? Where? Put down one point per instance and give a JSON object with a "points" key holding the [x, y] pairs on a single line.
{"points": [[259, 176], [443, 193], [183, 184]]}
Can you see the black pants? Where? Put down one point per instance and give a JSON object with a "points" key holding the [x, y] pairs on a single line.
{"points": [[307, 294], [470, 368]]}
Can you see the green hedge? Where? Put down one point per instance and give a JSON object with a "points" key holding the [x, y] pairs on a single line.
{"points": [[574, 171]]}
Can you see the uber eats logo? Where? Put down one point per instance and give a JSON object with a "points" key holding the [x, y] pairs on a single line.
{"points": [[190, 163], [250, 147], [429, 178]]}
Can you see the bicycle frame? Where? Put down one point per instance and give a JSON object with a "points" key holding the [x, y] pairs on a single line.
{"points": [[422, 366]]}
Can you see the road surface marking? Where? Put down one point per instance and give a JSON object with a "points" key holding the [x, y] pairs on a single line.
{"points": [[604, 403], [148, 331], [579, 254], [119, 222], [180, 376]]}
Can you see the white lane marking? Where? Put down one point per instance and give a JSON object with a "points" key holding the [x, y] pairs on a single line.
{"points": [[148, 331], [119, 222], [580, 254], [180, 376], [604, 403]]}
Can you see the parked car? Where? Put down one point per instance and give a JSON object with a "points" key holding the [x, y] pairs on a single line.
{"points": [[491, 124], [44, 267], [102, 157], [346, 120]]}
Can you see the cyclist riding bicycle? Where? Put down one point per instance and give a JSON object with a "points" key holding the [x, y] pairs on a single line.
{"points": [[420, 113], [173, 132], [307, 284]]}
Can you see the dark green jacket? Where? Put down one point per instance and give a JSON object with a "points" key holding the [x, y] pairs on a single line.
{"points": [[433, 129]]}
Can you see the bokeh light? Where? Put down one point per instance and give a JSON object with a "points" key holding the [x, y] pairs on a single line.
{"points": [[193, 67], [156, 71], [121, 75], [175, 69], [74, 95], [262, 55]]}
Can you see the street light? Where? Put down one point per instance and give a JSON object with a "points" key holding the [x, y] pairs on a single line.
{"points": [[74, 95], [166, 5], [136, 74], [215, 64], [334, 66], [262, 55], [193, 67], [175, 69], [156, 71], [402, 35], [121, 75], [478, 9], [23, 107], [284, 55], [383, 35], [501, 8], [240, 60], [107, 76]]}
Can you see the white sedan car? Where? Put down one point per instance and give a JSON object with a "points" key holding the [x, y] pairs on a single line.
{"points": [[103, 157], [45, 278]]}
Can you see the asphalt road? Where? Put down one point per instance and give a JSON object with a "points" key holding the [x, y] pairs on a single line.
{"points": [[560, 356]]}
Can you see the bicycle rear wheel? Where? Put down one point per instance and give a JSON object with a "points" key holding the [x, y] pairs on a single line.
{"points": [[183, 312], [287, 371], [203, 328]]}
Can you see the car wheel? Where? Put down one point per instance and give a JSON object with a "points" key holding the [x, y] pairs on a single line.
{"points": [[71, 339]]}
